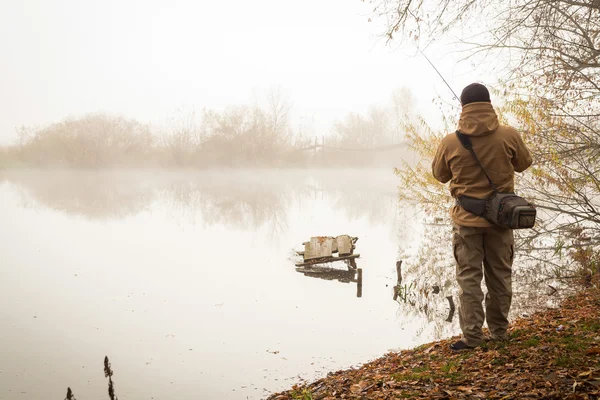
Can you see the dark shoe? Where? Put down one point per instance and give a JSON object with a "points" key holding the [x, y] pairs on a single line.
{"points": [[460, 345]]}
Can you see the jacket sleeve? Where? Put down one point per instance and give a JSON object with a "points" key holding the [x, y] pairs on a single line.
{"points": [[441, 170], [521, 159]]}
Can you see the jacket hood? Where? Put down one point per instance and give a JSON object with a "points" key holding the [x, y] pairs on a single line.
{"points": [[478, 119]]}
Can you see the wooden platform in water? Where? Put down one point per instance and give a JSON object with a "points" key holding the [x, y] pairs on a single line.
{"points": [[321, 249]]}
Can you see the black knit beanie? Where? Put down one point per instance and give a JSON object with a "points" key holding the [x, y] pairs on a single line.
{"points": [[473, 93]]}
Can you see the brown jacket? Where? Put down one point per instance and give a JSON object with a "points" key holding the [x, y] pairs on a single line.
{"points": [[499, 148]]}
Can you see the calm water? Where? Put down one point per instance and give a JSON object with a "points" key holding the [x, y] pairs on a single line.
{"points": [[187, 281]]}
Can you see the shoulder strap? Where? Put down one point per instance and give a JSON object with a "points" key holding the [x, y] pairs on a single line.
{"points": [[466, 143]]}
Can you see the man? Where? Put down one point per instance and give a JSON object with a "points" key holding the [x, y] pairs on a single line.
{"points": [[475, 240]]}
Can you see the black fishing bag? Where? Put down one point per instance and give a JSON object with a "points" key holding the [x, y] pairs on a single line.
{"points": [[502, 209]]}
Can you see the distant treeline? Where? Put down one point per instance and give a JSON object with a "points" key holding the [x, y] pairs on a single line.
{"points": [[242, 136]]}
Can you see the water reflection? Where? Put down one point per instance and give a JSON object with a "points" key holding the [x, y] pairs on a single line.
{"points": [[244, 200], [94, 195], [249, 200], [166, 269], [344, 276], [428, 284]]}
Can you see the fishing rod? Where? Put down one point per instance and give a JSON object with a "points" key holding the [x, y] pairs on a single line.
{"points": [[438, 72]]}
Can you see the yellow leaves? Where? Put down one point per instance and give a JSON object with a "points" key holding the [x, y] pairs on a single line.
{"points": [[586, 374], [417, 182]]}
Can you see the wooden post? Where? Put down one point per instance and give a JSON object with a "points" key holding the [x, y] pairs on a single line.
{"points": [[398, 279], [452, 309], [359, 283], [352, 264]]}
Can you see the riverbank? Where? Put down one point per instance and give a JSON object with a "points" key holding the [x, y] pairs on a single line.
{"points": [[553, 354]]}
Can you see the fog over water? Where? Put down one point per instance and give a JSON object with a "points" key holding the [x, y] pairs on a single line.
{"points": [[186, 280]]}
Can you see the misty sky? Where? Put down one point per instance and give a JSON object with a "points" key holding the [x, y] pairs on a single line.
{"points": [[146, 59]]}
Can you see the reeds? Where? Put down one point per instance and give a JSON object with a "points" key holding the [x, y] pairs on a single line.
{"points": [[70, 395], [108, 373]]}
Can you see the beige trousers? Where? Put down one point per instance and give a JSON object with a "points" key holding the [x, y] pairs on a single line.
{"points": [[494, 248]]}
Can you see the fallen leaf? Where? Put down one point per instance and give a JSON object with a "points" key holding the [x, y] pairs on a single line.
{"points": [[430, 348], [356, 388], [584, 374]]}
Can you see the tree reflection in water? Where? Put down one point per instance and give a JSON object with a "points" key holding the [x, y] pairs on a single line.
{"points": [[241, 199], [91, 194], [429, 285]]}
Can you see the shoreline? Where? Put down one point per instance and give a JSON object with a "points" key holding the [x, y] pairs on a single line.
{"points": [[552, 354]]}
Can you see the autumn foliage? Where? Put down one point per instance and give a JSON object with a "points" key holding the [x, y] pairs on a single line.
{"points": [[549, 52]]}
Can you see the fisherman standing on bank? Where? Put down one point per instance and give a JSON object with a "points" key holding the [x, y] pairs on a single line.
{"points": [[476, 242]]}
